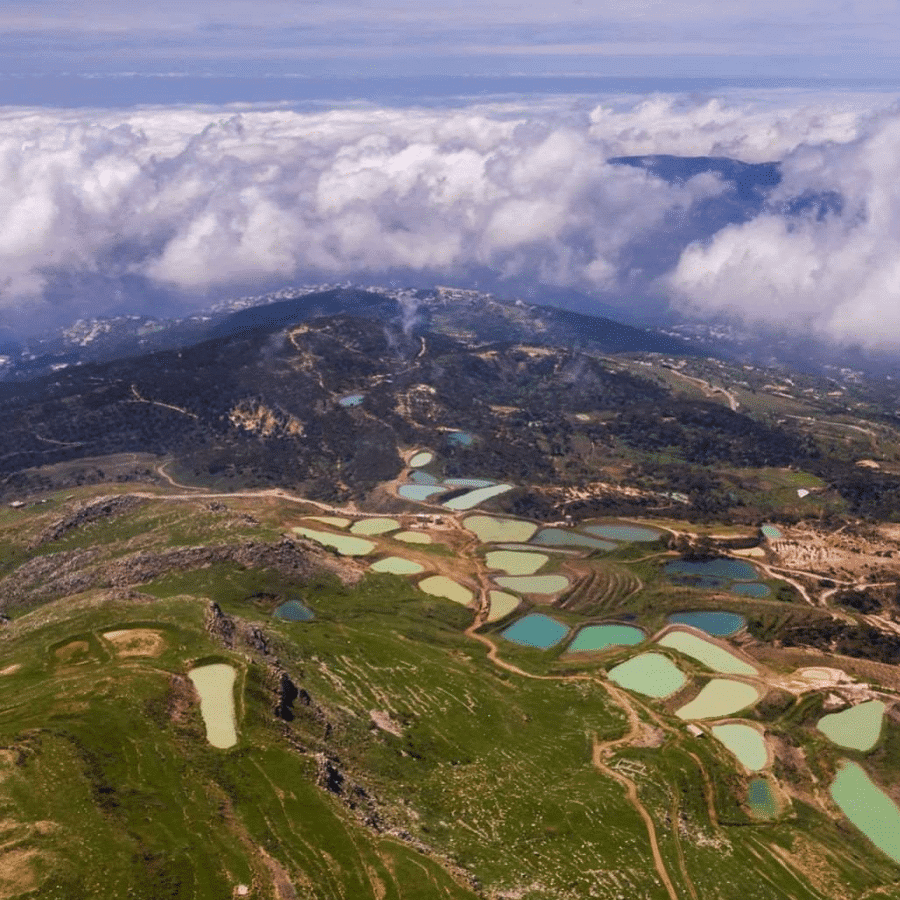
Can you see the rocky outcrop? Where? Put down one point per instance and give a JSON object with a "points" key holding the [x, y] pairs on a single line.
{"points": [[95, 511]]}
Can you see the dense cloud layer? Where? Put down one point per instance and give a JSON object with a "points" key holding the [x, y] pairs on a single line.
{"points": [[200, 203]]}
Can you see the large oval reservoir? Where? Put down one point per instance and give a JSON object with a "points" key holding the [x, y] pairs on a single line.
{"points": [[650, 673], [215, 685], [533, 584], [867, 807], [716, 658], [599, 637], [745, 742], [720, 697], [857, 728]]}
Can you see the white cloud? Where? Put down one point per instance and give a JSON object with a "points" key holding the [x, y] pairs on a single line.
{"points": [[200, 201]]}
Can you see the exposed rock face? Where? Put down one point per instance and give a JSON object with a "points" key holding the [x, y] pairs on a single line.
{"points": [[287, 694], [219, 625], [103, 508]]}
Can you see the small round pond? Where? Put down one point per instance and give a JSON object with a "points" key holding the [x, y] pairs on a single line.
{"points": [[599, 637], [715, 622], [536, 630], [770, 532], [294, 611], [761, 800], [649, 673], [422, 458]]}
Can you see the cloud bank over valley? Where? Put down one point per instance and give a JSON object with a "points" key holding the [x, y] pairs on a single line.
{"points": [[102, 209]]}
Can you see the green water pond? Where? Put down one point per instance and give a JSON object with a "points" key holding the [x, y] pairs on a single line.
{"points": [[422, 458], [441, 586], [397, 565], [536, 630], [857, 728], [420, 492], [720, 697], [294, 611], [598, 637], [215, 685], [343, 543], [479, 495], [745, 742], [716, 658], [533, 584], [502, 604], [374, 526], [515, 563], [651, 674], [761, 800], [626, 533], [492, 529], [867, 807], [559, 537]]}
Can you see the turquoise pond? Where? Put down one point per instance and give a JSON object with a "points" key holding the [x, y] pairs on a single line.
{"points": [[351, 400], [760, 799], [422, 478], [716, 623], [558, 537], [750, 589], [626, 533], [772, 533], [599, 637], [536, 630], [294, 611], [460, 438]]}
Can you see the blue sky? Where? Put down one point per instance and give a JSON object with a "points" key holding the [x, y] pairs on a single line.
{"points": [[739, 38]]}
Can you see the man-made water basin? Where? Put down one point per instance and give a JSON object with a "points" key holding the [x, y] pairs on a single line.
{"points": [[441, 586], [867, 807], [502, 604], [625, 533], [559, 537], [397, 565], [770, 532], [714, 622], [294, 611], [422, 458], [715, 657], [469, 482], [351, 400], [745, 742], [720, 567], [460, 438], [750, 589], [651, 674], [420, 477], [536, 630], [343, 543], [333, 521], [420, 492], [857, 728], [599, 637], [720, 697], [761, 800], [515, 563], [374, 526], [412, 537], [533, 584], [492, 529], [215, 685], [479, 495]]}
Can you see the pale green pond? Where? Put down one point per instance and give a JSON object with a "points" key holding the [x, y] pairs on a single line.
{"points": [[215, 685], [479, 495], [626, 533], [343, 543], [857, 728], [412, 537], [599, 637], [502, 604], [533, 584], [720, 697], [761, 800], [491, 529], [716, 658], [397, 565], [441, 586], [771, 532], [651, 674], [294, 611], [374, 526], [515, 563], [469, 482], [420, 492], [422, 458], [559, 537], [745, 742], [867, 807]]}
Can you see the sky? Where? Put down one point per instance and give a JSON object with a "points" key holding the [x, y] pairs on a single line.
{"points": [[174, 156]]}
